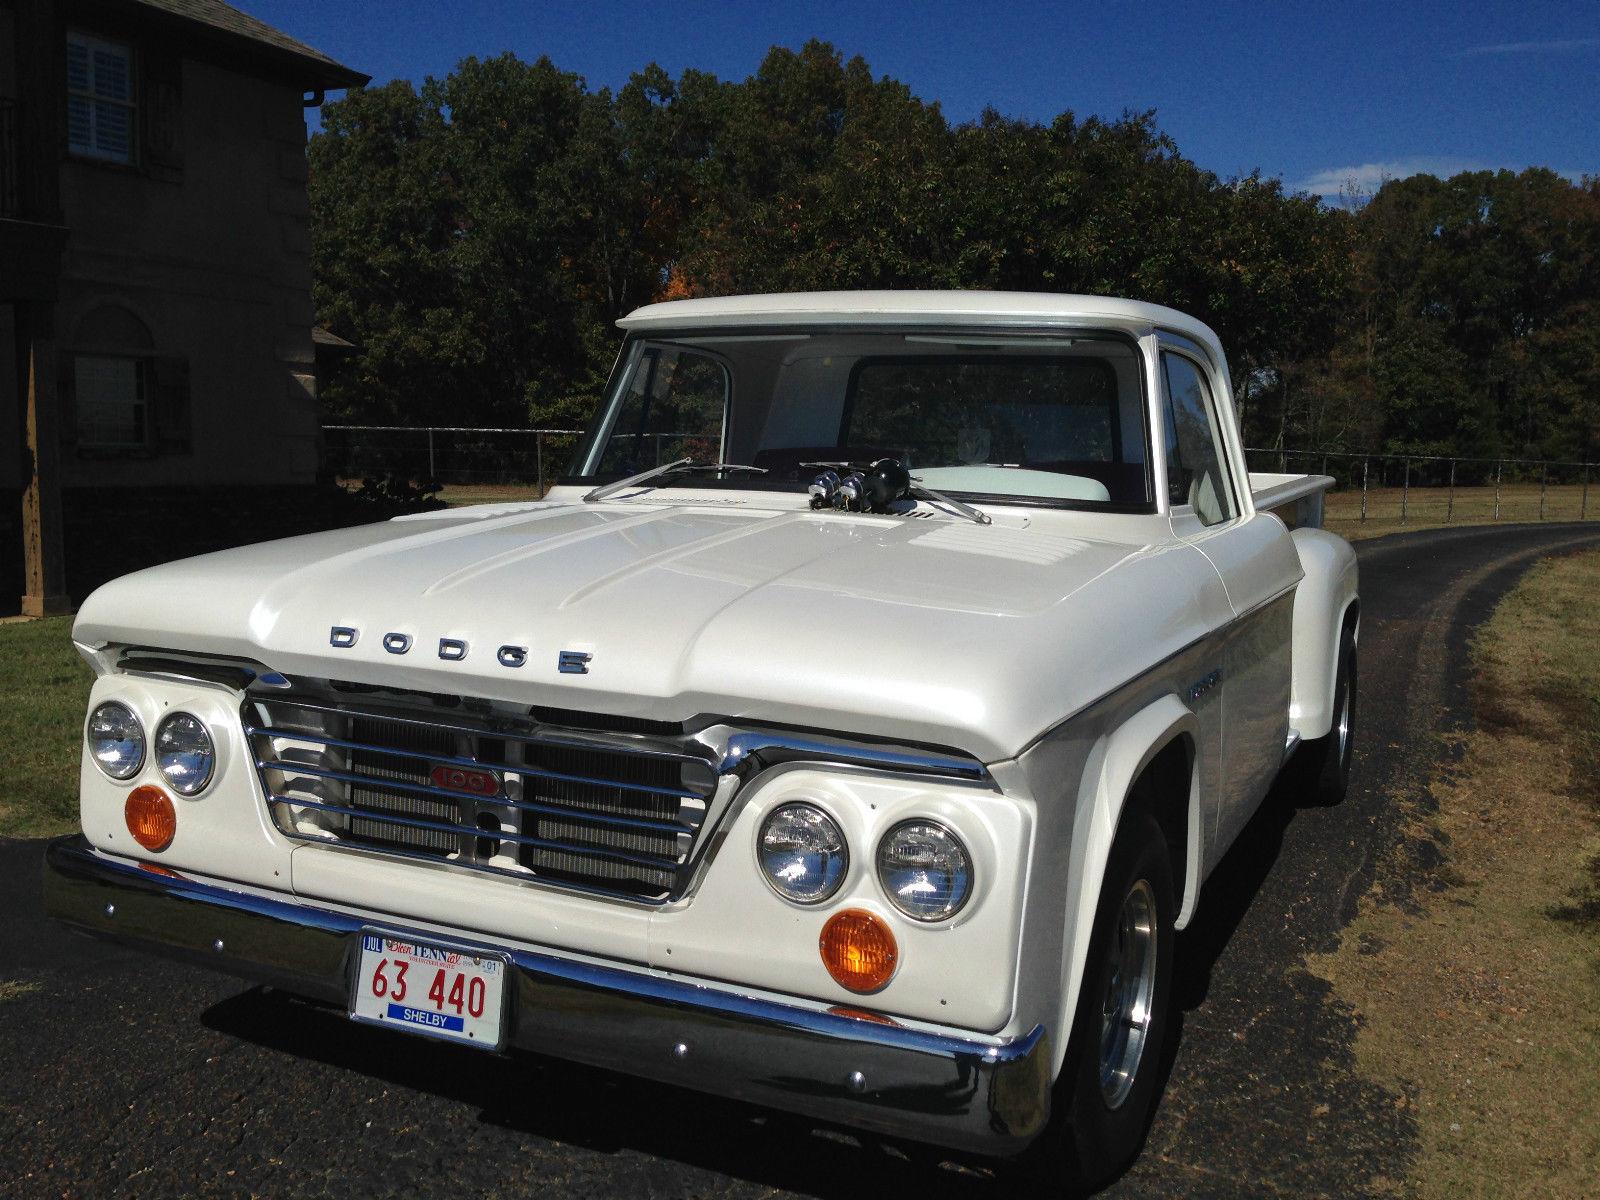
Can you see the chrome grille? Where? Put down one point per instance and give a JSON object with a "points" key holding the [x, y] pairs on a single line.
{"points": [[377, 766], [607, 811]]}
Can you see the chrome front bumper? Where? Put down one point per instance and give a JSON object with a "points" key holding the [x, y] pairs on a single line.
{"points": [[981, 1095]]}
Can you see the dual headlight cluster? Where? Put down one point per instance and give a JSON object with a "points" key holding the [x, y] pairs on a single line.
{"points": [[923, 868], [183, 750]]}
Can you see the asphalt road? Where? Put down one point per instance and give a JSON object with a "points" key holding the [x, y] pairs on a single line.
{"points": [[122, 1075]]}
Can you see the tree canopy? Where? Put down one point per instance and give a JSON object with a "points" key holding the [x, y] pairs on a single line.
{"points": [[476, 239]]}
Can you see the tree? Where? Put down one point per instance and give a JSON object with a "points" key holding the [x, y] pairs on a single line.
{"points": [[478, 237]]}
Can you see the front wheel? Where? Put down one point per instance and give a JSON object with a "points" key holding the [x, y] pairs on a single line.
{"points": [[1111, 1080]]}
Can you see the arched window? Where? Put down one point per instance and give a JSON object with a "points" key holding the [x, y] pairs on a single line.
{"points": [[126, 398], [113, 328]]}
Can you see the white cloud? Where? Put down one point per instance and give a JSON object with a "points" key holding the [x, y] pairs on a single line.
{"points": [[1554, 46], [1360, 181], [1369, 177]]}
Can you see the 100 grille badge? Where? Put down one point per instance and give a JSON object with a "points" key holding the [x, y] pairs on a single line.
{"points": [[568, 662]]}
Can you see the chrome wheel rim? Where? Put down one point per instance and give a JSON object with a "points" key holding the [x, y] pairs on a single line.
{"points": [[1130, 990], [1344, 726]]}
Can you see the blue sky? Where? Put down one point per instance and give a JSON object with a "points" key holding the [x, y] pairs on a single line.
{"points": [[1315, 93]]}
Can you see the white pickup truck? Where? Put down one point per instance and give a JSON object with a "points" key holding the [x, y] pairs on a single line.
{"points": [[849, 732]]}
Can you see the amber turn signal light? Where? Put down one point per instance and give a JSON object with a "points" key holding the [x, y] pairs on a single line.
{"points": [[151, 818], [859, 950]]}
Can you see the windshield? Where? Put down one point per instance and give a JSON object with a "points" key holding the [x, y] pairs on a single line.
{"points": [[1053, 418]]}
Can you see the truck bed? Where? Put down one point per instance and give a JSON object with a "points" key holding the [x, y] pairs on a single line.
{"points": [[1295, 499]]}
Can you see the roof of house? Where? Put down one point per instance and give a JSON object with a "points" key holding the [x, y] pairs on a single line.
{"points": [[913, 307], [227, 24], [328, 340]]}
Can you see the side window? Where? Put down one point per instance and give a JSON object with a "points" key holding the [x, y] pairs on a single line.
{"points": [[101, 115], [1195, 475], [673, 408]]}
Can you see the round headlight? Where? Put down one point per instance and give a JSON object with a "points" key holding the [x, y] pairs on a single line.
{"points": [[925, 870], [116, 740], [802, 853], [184, 753]]}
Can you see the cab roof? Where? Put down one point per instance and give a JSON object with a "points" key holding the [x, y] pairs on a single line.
{"points": [[914, 308]]}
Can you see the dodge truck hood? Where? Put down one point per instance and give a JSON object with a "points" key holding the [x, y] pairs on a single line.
{"points": [[919, 629]]}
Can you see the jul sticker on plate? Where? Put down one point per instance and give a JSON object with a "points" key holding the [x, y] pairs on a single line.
{"points": [[433, 990]]}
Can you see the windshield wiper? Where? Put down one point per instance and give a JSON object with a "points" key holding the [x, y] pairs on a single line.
{"points": [[682, 467], [918, 488]]}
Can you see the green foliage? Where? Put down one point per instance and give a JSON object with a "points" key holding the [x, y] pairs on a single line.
{"points": [[1473, 313], [477, 238]]}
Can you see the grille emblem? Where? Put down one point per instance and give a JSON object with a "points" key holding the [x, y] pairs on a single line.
{"points": [[397, 643], [452, 649], [574, 662], [513, 656], [343, 636], [465, 779]]}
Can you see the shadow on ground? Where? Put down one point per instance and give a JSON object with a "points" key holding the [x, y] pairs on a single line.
{"points": [[607, 1113]]}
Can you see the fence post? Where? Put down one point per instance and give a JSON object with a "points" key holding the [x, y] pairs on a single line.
{"points": [[1583, 512], [1450, 508], [432, 474], [658, 449], [1497, 491], [1324, 464], [1405, 491], [1364, 488], [538, 454], [1543, 472]]}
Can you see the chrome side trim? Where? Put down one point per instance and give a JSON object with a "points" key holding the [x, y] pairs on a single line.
{"points": [[747, 753], [1221, 631], [1276, 597]]}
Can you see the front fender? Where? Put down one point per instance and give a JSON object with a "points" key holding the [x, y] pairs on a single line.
{"points": [[1112, 767]]}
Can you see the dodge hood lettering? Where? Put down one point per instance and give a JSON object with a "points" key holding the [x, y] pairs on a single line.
{"points": [[678, 611]]}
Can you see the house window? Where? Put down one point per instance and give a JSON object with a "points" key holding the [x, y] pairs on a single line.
{"points": [[113, 413], [101, 114]]}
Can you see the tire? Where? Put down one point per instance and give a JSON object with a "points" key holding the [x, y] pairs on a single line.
{"points": [[1324, 767], [1109, 1085]]}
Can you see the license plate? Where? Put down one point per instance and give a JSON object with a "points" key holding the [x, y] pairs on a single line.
{"points": [[432, 990]]}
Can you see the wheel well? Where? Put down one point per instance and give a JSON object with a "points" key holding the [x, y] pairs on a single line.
{"points": [[1162, 791]]}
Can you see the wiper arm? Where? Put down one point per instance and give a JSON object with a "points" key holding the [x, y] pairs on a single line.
{"points": [[681, 467], [918, 488]]}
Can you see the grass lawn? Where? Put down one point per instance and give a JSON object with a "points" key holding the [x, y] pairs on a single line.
{"points": [[1477, 981], [44, 691]]}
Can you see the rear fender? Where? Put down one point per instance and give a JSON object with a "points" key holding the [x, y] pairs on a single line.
{"points": [[1321, 601]]}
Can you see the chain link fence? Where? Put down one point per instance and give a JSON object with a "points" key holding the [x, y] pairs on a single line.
{"points": [[470, 465], [1373, 491]]}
